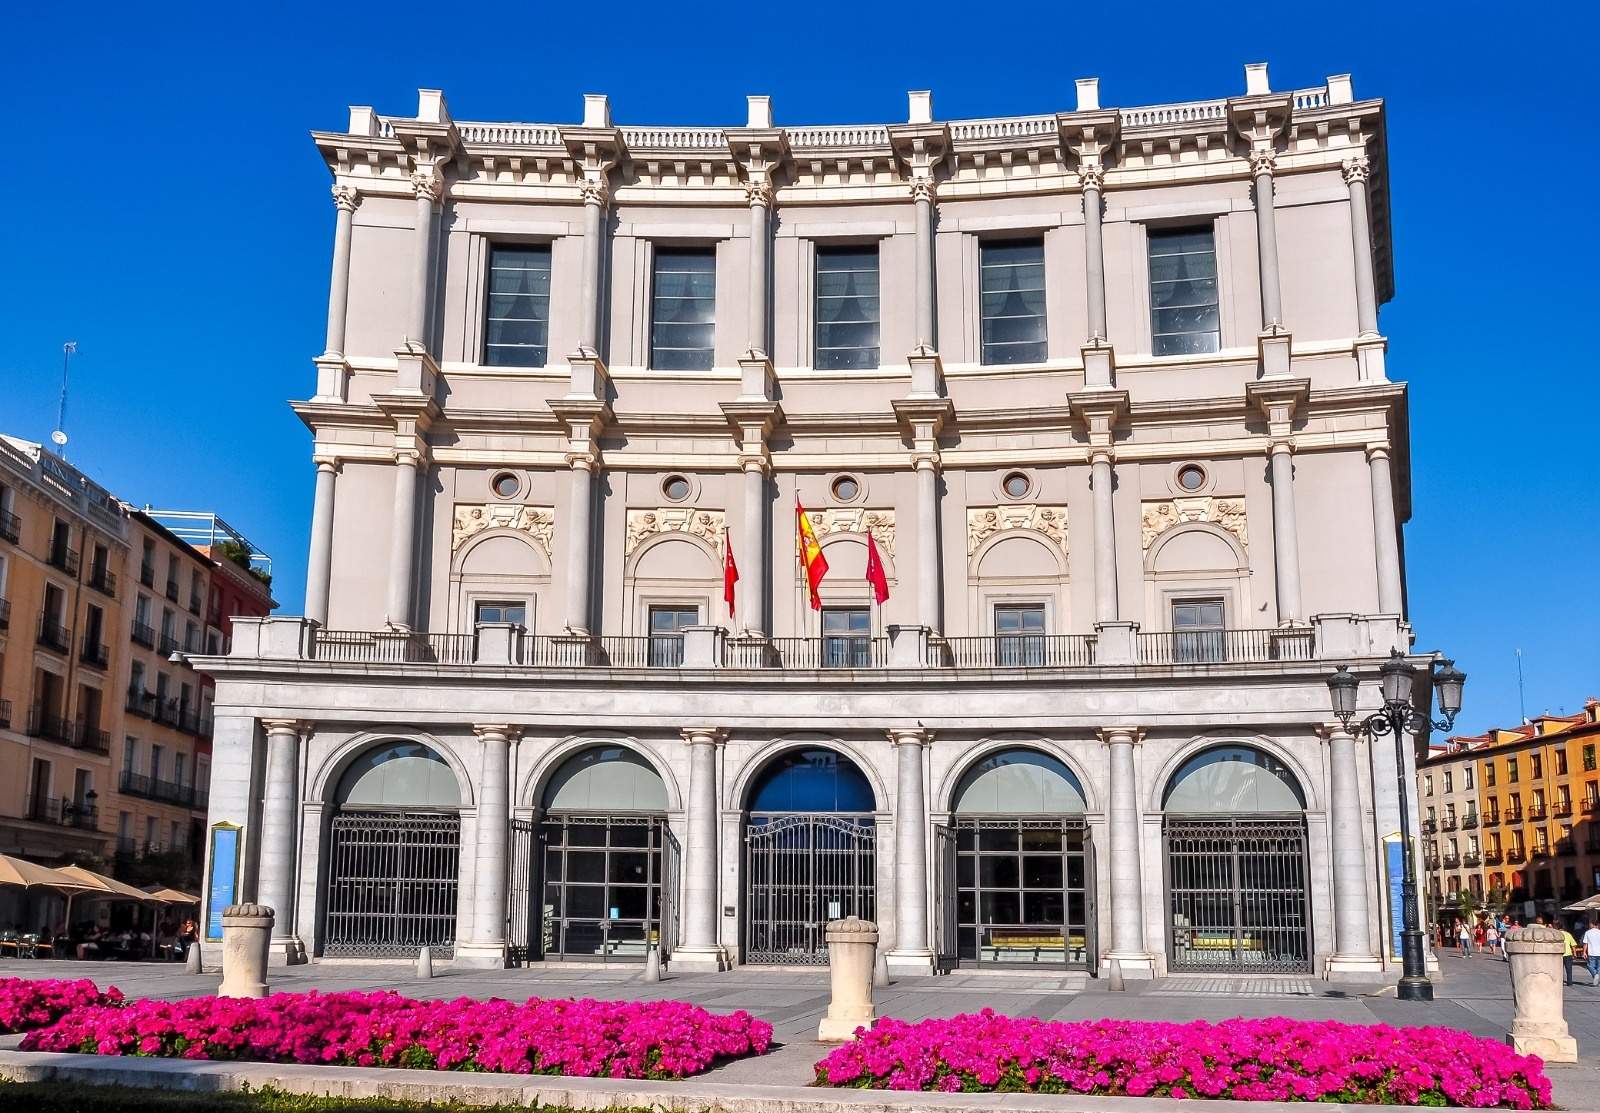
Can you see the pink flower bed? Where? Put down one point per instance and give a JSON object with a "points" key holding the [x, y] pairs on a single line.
{"points": [[27, 1003], [1246, 1060], [612, 1039]]}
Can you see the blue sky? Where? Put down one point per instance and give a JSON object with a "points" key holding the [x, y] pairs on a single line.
{"points": [[165, 209]]}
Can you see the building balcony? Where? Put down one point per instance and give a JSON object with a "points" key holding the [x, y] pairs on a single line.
{"points": [[5, 714], [1566, 848], [172, 590], [1536, 813], [94, 654], [1491, 819], [147, 575], [194, 605], [53, 636], [143, 635], [1431, 861], [1471, 861], [1591, 804], [1469, 821], [103, 580], [150, 788], [1561, 809], [1538, 853], [1430, 826], [10, 527], [1448, 823], [5, 614], [141, 702], [65, 732], [1513, 815], [167, 646], [1451, 861], [1493, 857], [1516, 854], [62, 558], [62, 812]]}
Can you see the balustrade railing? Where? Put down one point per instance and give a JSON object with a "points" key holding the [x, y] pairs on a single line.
{"points": [[1220, 647], [152, 788], [1020, 651], [844, 652]]}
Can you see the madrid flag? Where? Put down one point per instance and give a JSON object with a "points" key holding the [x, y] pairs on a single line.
{"points": [[730, 571], [811, 558], [875, 575]]}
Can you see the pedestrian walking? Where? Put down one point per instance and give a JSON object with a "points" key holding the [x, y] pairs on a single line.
{"points": [[1569, 949], [1491, 937], [1463, 939], [1591, 951]]}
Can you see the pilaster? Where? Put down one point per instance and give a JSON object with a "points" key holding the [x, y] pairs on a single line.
{"points": [[701, 948], [911, 953]]}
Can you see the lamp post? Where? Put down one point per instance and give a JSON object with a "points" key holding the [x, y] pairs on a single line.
{"points": [[1401, 718]]}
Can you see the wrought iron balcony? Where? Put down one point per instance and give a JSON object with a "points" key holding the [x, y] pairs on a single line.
{"points": [[1448, 823], [94, 654], [1591, 804], [1566, 848], [63, 558], [168, 645], [1452, 861], [1562, 808], [1431, 861], [147, 575], [1491, 819], [1469, 821], [1535, 813], [1516, 854], [1429, 826], [141, 702], [10, 527], [1469, 860], [1513, 815], [64, 812], [53, 636], [64, 732], [5, 714], [151, 788], [143, 635], [172, 590], [103, 580], [194, 604], [1493, 857]]}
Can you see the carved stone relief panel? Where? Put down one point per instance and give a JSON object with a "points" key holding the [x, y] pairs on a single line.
{"points": [[708, 525], [538, 522], [855, 519], [983, 522], [1158, 517]]}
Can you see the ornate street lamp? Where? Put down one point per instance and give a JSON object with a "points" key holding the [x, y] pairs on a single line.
{"points": [[1402, 718]]}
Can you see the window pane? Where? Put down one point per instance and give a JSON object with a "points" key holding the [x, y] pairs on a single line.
{"points": [[683, 309], [516, 322], [1183, 292], [1012, 281], [846, 308]]}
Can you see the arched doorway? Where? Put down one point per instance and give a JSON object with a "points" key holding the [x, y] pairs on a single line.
{"points": [[1017, 866], [608, 864], [1234, 821], [810, 855], [394, 854]]}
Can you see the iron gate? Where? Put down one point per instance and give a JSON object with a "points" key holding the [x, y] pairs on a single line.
{"points": [[519, 893], [802, 871], [944, 897], [392, 882], [606, 886], [1237, 894]]}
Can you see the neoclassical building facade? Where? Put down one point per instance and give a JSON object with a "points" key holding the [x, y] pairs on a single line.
{"points": [[1103, 388]]}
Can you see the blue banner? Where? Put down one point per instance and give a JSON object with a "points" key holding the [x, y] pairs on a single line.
{"points": [[221, 892], [1394, 860]]}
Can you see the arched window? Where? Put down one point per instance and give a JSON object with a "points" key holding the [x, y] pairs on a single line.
{"points": [[811, 781], [1231, 780], [603, 780], [1019, 782], [400, 775]]}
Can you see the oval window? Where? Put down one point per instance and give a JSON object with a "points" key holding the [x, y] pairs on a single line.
{"points": [[676, 488], [1191, 477], [1015, 485], [846, 488], [505, 485]]}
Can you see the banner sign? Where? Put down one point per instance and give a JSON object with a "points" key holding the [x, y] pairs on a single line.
{"points": [[1394, 863], [223, 884]]}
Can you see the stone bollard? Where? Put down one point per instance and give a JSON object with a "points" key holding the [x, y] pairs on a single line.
{"points": [[1540, 1026], [425, 963], [880, 970], [191, 960], [852, 949], [246, 929], [652, 963]]}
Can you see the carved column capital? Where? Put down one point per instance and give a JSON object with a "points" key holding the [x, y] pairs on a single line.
{"points": [[595, 191], [1092, 176], [426, 182], [408, 457], [296, 727], [1263, 161], [583, 460], [325, 462], [909, 736], [346, 198], [1356, 169], [1377, 452], [503, 732], [704, 736], [923, 188], [1113, 736], [758, 192]]}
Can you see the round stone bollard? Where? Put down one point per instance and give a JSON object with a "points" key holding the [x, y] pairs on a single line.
{"points": [[1540, 1026], [246, 929], [852, 950]]}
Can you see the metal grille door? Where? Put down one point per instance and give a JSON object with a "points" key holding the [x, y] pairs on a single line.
{"points": [[944, 896], [392, 883], [802, 871], [603, 885], [519, 893], [1237, 895], [1021, 892]]}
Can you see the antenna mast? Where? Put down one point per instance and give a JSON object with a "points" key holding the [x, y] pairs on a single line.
{"points": [[59, 436], [1522, 705]]}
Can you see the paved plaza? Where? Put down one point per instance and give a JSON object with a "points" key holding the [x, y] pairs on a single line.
{"points": [[1474, 995]]}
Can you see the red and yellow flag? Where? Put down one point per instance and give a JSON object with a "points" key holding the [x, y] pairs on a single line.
{"points": [[811, 558]]}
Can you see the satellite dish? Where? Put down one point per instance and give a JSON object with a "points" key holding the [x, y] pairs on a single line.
{"points": [[58, 437]]}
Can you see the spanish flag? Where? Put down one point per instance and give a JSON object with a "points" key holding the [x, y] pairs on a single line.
{"points": [[811, 558]]}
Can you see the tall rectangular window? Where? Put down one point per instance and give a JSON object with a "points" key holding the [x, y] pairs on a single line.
{"points": [[846, 638], [846, 308], [1019, 635], [1012, 283], [683, 309], [517, 318], [1184, 318], [1197, 630], [666, 634]]}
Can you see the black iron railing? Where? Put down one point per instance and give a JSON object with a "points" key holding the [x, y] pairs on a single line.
{"points": [[10, 526], [152, 788], [63, 558], [53, 636]]}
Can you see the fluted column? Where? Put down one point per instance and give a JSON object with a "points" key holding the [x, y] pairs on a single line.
{"points": [[345, 199], [403, 537], [1285, 533], [1262, 164], [280, 802], [487, 947], [922, 192], [1356, 171], [911, 950], [1385, 533], [596, 195], [319, 565], [580, 528], [1126, 874], [929, 606], [760, 196], [429, 188], [699, 948], [753, 571], [1094, 260], [1352, 922], [1106, 606]]}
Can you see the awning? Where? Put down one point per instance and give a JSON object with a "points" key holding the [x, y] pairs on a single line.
{"points": [[172, 896], [23, 874], [105, 886], [1587, 904]]}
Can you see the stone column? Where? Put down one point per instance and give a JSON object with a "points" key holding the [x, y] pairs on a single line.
{"points": [[1285, 535], [1262, 164], [911, 954], [1127, 886], [1106, 607], [760, 196], [752, 561], [1094, 261], [922, 191], [580, 511], [319, 565], [928, 593], [403, 537], [699, 948], [1385, 533], [595, 197], [1352, 919], [1356, 171], [429, 188], [487, 947], [345, 199], [280, 803]]}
